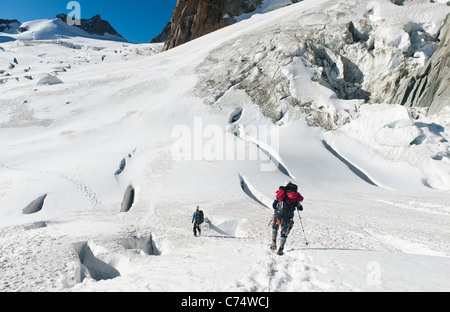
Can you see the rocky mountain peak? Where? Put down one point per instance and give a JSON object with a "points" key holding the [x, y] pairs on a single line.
{"points": [[6, 25], [94, 25]]}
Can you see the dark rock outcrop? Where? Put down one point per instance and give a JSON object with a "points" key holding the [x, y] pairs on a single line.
{"points": [[8, 24], [94, 26], [192, 19], [162, 37]]}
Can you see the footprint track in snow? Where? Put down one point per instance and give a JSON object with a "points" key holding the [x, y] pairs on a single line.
{"points": [[89, 193]]}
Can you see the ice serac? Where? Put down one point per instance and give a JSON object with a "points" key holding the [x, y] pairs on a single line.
{"points": [[351, 54], [430, 86], [192, 19]]}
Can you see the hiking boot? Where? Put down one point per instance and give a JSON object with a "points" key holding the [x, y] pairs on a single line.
{"points": [[273, 246], [280, 252]]}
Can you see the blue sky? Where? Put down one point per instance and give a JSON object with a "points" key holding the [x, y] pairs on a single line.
{"points": [[137, 21]]}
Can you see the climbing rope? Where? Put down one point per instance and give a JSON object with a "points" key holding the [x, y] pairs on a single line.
{"points": [[272, 268]]}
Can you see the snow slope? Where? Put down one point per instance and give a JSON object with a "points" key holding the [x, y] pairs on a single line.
{"points": [[376, 190], [265, 7], [47, 29]]}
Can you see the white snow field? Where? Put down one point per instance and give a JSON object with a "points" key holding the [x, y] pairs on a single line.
{"points": [[109, 115]]}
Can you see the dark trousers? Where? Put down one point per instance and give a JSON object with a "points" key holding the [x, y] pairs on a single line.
{"points": [[197, 228], [286, 227]]}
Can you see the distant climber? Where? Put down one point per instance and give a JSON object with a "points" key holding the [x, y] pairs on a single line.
{"points": [[287, 200], [198, 219]]}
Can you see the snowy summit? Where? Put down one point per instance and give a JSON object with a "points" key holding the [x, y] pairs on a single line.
{"points": [[107, 148]]}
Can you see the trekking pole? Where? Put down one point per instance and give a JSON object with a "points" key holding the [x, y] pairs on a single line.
{"points": [[304, 234]]}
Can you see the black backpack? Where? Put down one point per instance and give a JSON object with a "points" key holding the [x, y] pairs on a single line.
{"points": [[285, 210], [201, 217], [290, 187]]}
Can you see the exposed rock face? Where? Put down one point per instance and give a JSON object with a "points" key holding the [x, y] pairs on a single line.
{"points": [[6, 25], [162, 37], [192, 19], [95, 25], [430, 87]]}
